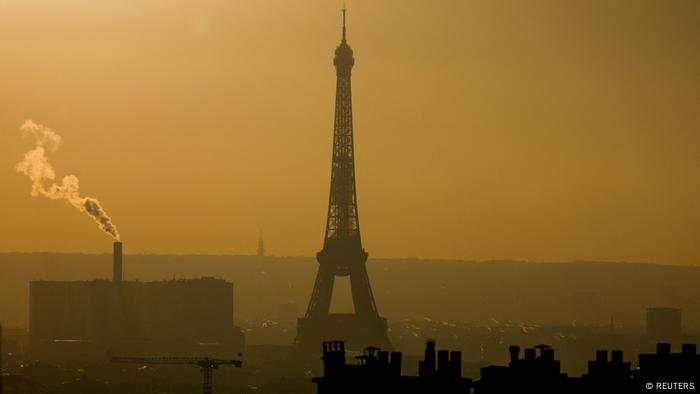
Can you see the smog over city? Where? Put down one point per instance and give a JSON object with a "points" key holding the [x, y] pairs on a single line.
{"points": [[349, 197]]}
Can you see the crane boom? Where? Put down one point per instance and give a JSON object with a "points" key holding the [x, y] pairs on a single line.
{"points": [[176, 360], [206, 364]]}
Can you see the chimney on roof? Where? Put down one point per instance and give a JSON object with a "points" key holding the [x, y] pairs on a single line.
{"points": [[663, 348], [689, 349], [617, 356], [514, 353], [443, 361], [456, 364], [395, 363], [601, 356]]}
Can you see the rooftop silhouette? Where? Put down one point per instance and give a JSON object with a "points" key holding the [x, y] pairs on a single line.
{"points": [[535, 371]]}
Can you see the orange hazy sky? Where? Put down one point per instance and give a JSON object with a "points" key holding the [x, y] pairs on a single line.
{"points": [[537, 130]]}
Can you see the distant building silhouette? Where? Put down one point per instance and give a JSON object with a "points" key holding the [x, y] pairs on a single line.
{"points": [[342, 253], [379, 371]]}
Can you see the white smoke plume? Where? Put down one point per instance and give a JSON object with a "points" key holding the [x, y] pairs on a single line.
{"points": [[37, 168]]}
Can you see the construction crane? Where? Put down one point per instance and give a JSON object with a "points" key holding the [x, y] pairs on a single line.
{"points": [[207, 365]]}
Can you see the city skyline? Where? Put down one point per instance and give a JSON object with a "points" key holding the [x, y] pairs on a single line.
{"points": [[526, 174]]}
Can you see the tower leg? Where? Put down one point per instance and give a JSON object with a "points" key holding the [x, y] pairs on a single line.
{"points": [[320, 303], [362, 296], [207, 380]]}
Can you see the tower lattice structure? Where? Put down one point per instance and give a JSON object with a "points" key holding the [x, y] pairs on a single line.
{"points": [[342, 253]]}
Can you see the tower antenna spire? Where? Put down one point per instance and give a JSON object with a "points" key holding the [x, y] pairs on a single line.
{"points": [[261, 245], [344, 10]]}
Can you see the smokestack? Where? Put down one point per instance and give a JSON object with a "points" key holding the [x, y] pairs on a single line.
{"points": [[117, 266]]}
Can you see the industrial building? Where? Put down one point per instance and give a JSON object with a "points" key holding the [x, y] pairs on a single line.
{"points": [[174, 317]]}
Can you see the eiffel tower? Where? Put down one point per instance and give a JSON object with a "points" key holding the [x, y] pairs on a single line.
{"points": [[342, 253]]}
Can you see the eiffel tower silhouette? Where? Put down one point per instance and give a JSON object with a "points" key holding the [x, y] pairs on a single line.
{"points": [[342, 253]]}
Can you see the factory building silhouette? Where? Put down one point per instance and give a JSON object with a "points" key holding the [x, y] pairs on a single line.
{"points": [[190, 316]]}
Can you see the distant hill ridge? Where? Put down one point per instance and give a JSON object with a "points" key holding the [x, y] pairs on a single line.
{"points": [[476, 291]]}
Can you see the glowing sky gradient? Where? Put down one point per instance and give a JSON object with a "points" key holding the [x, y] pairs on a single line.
{"points": [[538, 130]]}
